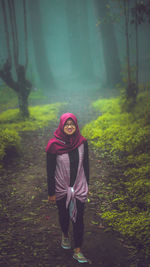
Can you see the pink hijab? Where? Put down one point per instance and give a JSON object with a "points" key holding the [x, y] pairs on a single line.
{"points": [[63, 143]]}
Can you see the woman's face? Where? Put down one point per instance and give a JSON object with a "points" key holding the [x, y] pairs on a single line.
{"points": [[69, 127]]}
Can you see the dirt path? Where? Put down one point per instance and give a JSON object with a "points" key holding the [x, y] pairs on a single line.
{"points": [[30, 234]]}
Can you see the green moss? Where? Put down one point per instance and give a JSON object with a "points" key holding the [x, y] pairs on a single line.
{"points": [[138, 172], [107, 105], [8, 98], [142, 109], [134, 224], [124, 139], [40, 116], [9, 139], [138, 160], [12, 124]]}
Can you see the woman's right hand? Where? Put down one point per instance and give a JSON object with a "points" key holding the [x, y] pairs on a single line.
{"points": [[52, 199]]}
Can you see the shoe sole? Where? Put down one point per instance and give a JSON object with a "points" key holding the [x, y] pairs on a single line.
{"points": [[81, 261], [65, 247]]}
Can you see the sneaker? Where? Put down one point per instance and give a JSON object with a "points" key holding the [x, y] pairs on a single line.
{"points": [[65, 242], [80, 257]]}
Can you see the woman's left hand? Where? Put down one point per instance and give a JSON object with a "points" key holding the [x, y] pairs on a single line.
{"points": [[52, 199]]}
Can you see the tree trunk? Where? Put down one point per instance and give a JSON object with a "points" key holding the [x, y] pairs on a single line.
{"points": [[80, 53], [131, 89], [85, 58], [42, 64], [126, 15], [109, 44], [137, 47], [23, 104], [23, 91], [73, 34], [22, 86]]}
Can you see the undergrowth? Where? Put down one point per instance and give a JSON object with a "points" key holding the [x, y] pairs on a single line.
{"points": [[9, 99], [123, 139], [11, 125]]}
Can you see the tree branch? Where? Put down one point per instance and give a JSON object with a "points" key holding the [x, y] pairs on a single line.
{"points": [[14, 31], [6, 31], [6, 76], [26, 35]]}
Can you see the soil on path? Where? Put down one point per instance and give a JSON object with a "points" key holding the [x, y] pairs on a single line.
{"points": [[30, 234]]}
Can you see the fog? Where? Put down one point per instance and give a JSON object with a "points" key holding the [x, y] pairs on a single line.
{"points": [[74, 46]]}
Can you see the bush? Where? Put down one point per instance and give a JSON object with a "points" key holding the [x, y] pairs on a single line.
{"points": [[9, 139], [40, 116], [124, 139], [12, 124], [133, 224], [8, 98]]}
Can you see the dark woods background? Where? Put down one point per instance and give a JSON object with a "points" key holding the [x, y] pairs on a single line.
{"points": [[55, 44]]}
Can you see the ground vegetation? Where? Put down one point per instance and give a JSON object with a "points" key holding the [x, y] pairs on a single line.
{"points": [[123, 140]]}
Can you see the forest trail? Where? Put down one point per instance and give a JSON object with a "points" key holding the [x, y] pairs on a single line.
{"points": [[30, 234]]}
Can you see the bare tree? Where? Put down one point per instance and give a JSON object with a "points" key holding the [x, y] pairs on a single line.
{"points": [[42, 62], [19, 84], [109, 45], [140, 14], [132, 87], [137, 48]]}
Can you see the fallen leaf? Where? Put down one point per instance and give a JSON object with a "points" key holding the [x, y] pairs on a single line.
{"points": [[93, 222]]}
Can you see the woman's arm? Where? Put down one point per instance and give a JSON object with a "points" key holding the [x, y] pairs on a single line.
{"points": [[86, 161], [51, 166]]}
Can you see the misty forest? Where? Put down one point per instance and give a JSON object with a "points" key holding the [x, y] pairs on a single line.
{"points": [[90, 58]]}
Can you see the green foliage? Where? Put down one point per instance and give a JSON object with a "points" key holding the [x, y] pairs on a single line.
{"points": [[12, 124], [120, 132], [132, 223], [107, 105], [142, 109], [40, 116], [9, 139], [8, 98], [124, 139]]}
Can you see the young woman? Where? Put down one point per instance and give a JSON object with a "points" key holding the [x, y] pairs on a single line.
{"points": [[68, 179]]}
